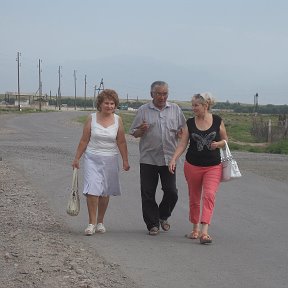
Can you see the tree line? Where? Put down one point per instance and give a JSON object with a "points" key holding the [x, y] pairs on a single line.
{"points": [[246, 108], [81, 102], [234, 107]]}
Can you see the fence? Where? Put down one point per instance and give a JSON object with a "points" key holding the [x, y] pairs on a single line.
{"points": [[265, 131]]}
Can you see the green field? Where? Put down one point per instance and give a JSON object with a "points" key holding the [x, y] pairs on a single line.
{"points": [[238, 128]]}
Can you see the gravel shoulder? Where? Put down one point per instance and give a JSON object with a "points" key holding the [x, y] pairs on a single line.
{"points": [[36, 249]]}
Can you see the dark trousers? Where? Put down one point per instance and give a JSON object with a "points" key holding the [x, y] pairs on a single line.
{"points": [[149, 176]]}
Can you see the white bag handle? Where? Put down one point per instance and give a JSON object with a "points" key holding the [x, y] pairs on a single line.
{"points": [[75, 179], [225, 152], [73, 206]]}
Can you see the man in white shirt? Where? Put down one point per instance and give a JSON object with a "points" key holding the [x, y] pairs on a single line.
{"points": [[158, 124]]}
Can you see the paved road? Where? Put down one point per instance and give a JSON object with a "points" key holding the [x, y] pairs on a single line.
{"points": [[250, 227]]}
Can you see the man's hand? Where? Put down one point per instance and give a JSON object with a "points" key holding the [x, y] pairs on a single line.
{"points": [[141, 130]]}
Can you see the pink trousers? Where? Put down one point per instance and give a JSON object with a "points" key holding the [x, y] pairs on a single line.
{"points": [[202, 182]]}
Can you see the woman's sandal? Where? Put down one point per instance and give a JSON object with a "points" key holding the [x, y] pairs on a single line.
{"points": [[165, 225], [205, 239], [195, 234], [90, 230], [154, 231]]}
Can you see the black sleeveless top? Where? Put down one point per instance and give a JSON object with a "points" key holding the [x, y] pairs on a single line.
{"points": [[199, 152]]}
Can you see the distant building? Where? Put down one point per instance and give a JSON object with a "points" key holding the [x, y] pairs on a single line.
{"points": [[123, 106]]}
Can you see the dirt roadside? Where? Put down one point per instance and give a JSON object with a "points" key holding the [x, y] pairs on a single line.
{"points": [[36, 250]]}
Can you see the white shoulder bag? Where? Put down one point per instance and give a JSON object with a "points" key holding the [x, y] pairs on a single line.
{"points": [[73, 206], [230, 169]]}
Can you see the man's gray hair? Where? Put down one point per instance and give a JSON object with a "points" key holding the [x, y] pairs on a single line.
{"points": [[158, 83]]}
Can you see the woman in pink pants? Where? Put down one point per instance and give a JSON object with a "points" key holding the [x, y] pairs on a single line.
{"points": [[205, 134]]}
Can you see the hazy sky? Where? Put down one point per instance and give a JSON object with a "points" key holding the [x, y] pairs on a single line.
{"points": [[232, 48]]}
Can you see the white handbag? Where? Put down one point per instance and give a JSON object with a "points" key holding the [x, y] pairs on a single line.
{"points": [[230, 169], [73, 206]]}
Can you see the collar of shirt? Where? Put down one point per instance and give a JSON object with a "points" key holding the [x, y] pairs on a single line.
{"points": [[152, 106]]}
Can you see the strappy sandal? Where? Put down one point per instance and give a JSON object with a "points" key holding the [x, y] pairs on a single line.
{"points": [[164, 225], [195, 234], [205, 239], [154, 231]]}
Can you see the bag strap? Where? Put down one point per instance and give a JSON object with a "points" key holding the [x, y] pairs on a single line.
{"points": [[227, 150], [75, 178]]}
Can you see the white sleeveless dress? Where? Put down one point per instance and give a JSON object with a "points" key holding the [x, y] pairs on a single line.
{"points": [[101, 164]]}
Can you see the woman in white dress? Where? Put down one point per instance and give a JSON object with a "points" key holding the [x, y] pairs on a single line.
{"points": [[103, 136]]}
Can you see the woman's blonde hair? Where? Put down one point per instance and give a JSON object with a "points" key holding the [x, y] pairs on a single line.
{"points": [[205, 98]]}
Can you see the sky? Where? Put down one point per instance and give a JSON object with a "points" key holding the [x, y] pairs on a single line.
{"points": [[231, 48]]}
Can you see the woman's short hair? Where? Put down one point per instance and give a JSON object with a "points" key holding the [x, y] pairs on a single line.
{"points": [[107, 94], [205, 98]]}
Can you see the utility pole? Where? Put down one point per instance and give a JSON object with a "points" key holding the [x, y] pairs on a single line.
{"points": [[40, 82], [18, 73], [85, 84], [56, 101], [59, 87], [40, 85], [94, 100], [256, 103], [101, 86], [75, 78]]}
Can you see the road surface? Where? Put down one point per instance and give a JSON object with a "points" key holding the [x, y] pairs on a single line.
{"points": [[249, 228]]}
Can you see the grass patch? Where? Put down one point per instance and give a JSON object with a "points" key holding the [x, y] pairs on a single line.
{"points": [[238, 128], [82, 119], [247, 147], [280, 147], [127, 118]]}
